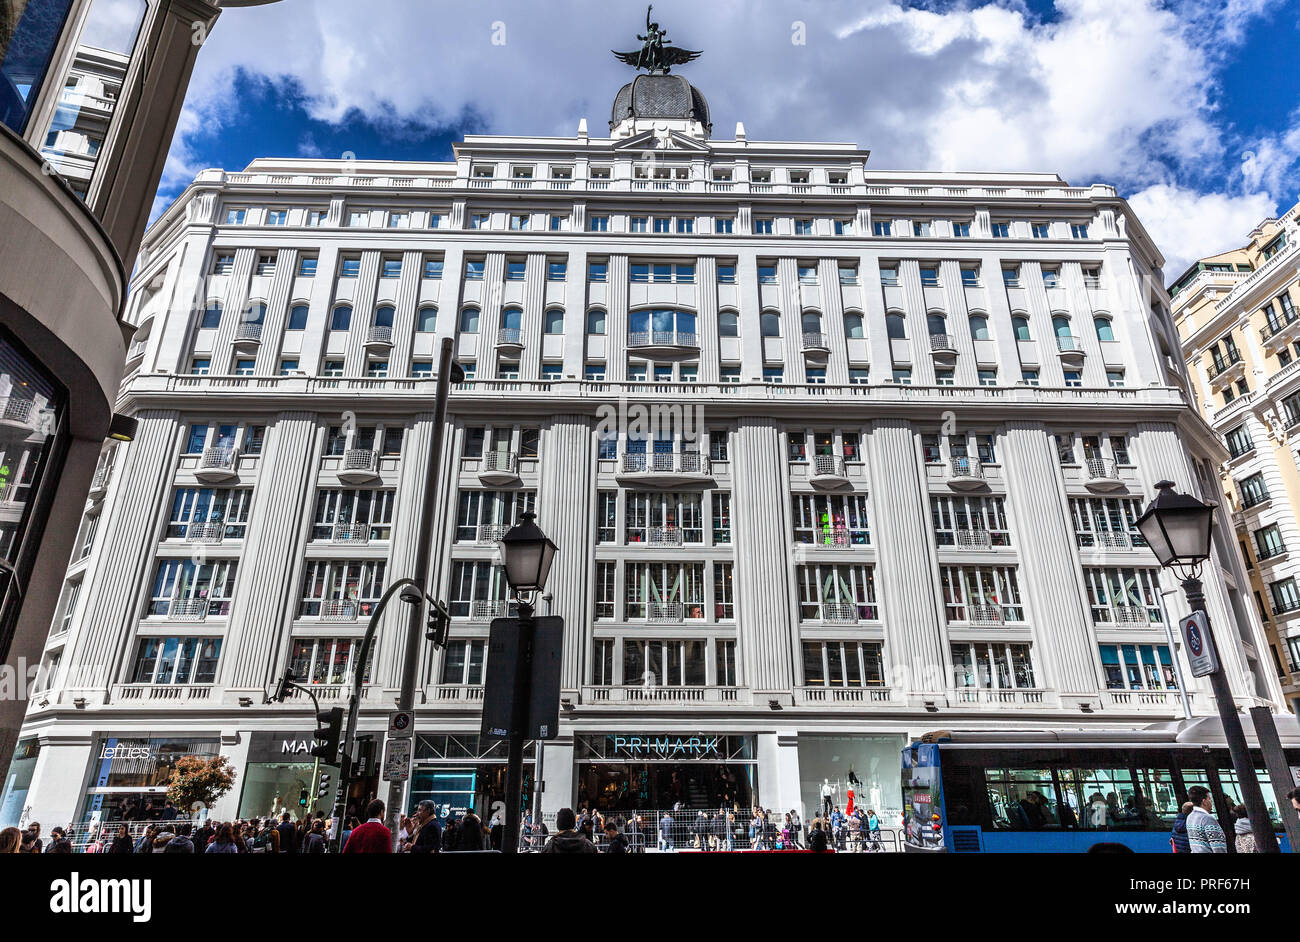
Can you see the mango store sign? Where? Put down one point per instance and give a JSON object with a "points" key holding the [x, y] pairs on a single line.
{"points": [[668, 747]]}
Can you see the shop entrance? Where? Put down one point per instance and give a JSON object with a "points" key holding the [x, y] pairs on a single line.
{"points": [[461, 773], [663, 771]]}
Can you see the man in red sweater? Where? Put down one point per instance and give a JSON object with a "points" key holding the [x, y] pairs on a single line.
{"points": [[372, 837]]}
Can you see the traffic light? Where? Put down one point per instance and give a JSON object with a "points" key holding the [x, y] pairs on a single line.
{"points": [[439, 623], [323, 786], [283, 686], [327, 736], [302, 798]]}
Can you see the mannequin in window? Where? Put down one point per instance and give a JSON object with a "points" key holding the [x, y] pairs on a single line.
{"points": [[827, 791]]}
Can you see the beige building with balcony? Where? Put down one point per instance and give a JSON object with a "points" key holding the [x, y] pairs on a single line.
{"points": [[1236, 315]]}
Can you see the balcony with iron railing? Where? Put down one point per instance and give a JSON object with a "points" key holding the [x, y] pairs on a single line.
{"points": [[1104, 539], [1101, 474], [209, 532], [816, 345], [827, 471], [1223, 370], [664, 612], [664, 467], [943, 346], [839, 613], [966, 473], [510, 338], [1070, 348], [1277, 332], [350, 533], [18, 413], [248, 333], [218, 464], [985, 614], [832, 537], [359, 466], [1263, 553], [379, 337], [498, 467], [339, 610], [973, 539], [99, 483], [667, 341], [488, 609], [489, 534], [188, 609], [664, 536], [1126, 614]]}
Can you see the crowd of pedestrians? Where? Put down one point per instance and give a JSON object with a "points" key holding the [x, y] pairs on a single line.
{"points": [[1197, 831]]}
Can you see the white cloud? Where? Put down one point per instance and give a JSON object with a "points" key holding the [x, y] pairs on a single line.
{"points": [[1120, 92], [1188, 225]]}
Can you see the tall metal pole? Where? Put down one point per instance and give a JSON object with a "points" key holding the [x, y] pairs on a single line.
{"points": [[1279, 770], [518, 720], [354, 707], [420, 574], [1253, 798]]}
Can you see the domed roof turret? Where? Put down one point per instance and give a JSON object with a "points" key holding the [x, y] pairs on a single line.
{"points": [[660, 96]]}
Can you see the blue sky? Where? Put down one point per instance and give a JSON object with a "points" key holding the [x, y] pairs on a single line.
{"points": [[1190, 107]]}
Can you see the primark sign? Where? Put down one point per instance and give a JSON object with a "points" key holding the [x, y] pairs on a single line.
{"points": [[666, 747]]}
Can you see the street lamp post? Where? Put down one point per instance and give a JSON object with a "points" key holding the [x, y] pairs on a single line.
{"points": [[1178, 530], [528, 556]]}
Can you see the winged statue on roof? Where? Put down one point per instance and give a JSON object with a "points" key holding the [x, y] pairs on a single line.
{"points": [[656, 56]]}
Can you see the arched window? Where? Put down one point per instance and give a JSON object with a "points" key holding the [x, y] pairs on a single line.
{"points": [[469, 320], [342, 318], [1061, 326], [596, 323], [512, 318], [853, 328], [895, 327], [811, 323], [255, 313], [211, 316], [936, 324], [553, 321], [728, 324], [383, 316], [298, 317], [979, 327], [1105, 330], [1021, 326], [426, 320], [770, 324]]}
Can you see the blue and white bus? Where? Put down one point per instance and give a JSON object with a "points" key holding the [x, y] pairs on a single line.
{"points": [[1064, 791]]}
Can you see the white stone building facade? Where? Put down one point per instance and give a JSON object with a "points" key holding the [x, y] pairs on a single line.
{"points": [[907, 420]]}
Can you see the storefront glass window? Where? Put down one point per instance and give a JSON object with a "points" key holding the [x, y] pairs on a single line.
{"points": [[29, 35], [867, 766]]}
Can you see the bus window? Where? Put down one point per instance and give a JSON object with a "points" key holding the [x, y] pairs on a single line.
{"points": [[1161, 797], [1021, 799], [1105, 795], [1232, 791]]}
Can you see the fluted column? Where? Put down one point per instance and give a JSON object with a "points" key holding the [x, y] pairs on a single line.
{"points": [[277, 313], [145, 469], [568, 470], [616, 319], [706, 276], [907, 576], [270, 568], [763, 583], [1065, 649]]}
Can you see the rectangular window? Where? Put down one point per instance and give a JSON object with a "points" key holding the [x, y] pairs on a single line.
{"points": [[1109, 522], [762, 227], [1253, 490], [317, 217], [889, 276], [1078, 230], [981, 594], [930, 277], [969, 522], [881, 228], [843, 664], [176, 660], [1001, 230], [832, 521], [837, 594], [992, 666], [767, 274], [307, 266], [184, 589], [726, 274], [1039, 230], [350, 268], [516, 271], [433, 269], [921, 230], [391, 268], [723, 225], [474, 269], [341, 590], [1123, 596], [597, 223]]}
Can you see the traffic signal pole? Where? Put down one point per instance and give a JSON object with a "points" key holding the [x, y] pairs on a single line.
{"points": [[420, 575]]}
